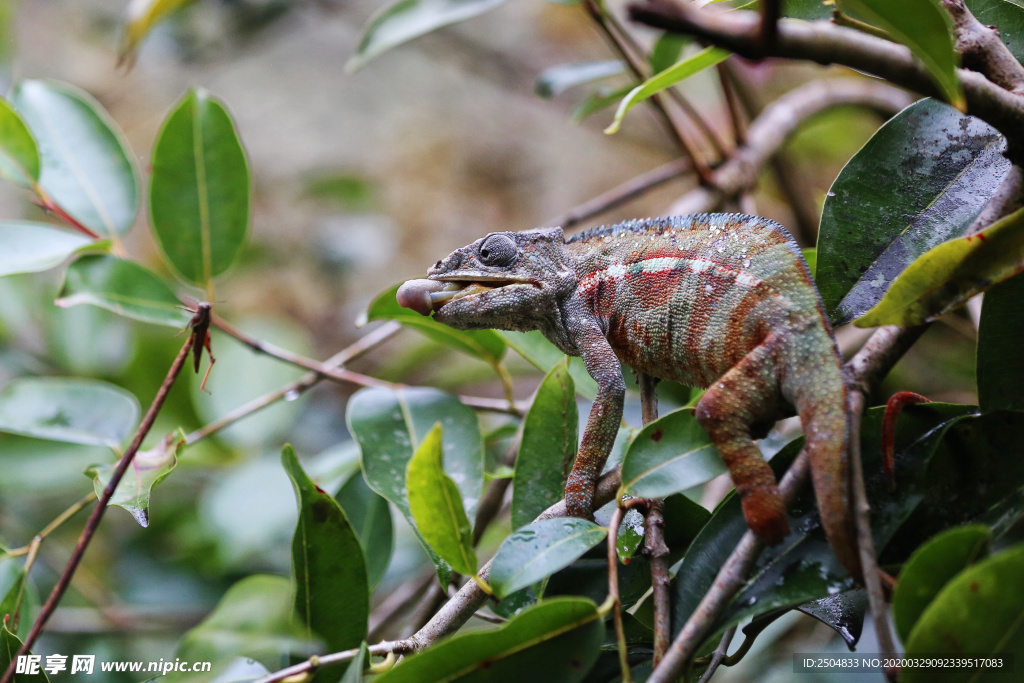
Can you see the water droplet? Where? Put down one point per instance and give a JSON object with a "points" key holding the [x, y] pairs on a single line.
{"points": [[292, 395], [746, 263]]}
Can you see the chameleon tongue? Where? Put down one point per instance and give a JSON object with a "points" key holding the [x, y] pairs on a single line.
{"points": [[423, 296]]}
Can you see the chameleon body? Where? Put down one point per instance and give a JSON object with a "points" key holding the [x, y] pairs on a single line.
{"points": [[719, 301]]}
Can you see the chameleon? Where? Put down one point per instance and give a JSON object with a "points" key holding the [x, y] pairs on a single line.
{"points": [[723, 302]]}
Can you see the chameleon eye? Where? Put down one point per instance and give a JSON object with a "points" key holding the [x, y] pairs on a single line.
{"points": [[498, 250]]}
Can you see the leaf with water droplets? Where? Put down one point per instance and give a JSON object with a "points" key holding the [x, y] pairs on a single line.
{"points": [[539, 550], [148, 469]]}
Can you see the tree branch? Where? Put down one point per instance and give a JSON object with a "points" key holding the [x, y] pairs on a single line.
{"points": [[827, 43], [982, 50]]}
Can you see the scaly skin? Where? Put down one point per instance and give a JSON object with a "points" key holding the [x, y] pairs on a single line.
{"points": [[718, 301]]}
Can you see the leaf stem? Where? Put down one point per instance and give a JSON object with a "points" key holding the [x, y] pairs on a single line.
{"points": [[73, 510]]}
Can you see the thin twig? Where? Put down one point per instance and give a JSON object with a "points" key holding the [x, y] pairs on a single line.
{"points": [[613, 593], [654, 536], [771, 11], [397, 602], [318, 661], [982, 50], [490, 503], [101, 507], [718, 656], [70, 512]]}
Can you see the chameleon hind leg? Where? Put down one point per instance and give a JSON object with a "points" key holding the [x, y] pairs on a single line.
{"points": [[734, 404]]}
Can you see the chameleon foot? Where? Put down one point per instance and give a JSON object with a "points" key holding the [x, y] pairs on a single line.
{"points": [[766, 515]]}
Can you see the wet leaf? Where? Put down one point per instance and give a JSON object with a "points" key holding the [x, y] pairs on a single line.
{"points": [[437, 506], [148, 469], [199, 192], [27, 247], [547, 448], [931, 567], [948, 275], [669, 455], [487, 345], [924, 27], [1000, 366], [978, 613], [123, 287], [84, 411], [844, 612], [19, 158], [555, 80], [407, 19], [140, 16], [557, 641], [387, 423], [255, 618], [371, 518], [707, 57], [544, 355], [332, 596], [540, 549], [941, 168], [86, 166], [9, 646]]}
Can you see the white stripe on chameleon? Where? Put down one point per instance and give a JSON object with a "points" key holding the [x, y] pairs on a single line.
{"points": [[666, 263]]}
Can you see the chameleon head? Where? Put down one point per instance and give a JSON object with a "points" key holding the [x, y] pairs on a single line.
{"points": [[496, 282]]}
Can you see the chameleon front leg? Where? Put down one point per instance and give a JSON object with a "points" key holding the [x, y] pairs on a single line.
{"points": [[728, 410], [603, 423]]}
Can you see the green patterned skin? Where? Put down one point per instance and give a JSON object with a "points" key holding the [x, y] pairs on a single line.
{"points": [[718, 301]]}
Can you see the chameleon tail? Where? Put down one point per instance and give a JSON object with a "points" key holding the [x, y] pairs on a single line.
{"points": [[824, 414]]}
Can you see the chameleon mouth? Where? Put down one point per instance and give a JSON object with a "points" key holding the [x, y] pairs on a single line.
{"points": [[425, 296]]}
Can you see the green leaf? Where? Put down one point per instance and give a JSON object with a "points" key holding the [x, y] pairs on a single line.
{"points": [[941, 169], [707, 57], [1008, 17], [140, 16], [556, 641], [931, 567], [667, 50], [669, 455], [387, 423], [1000, 366], [547, 447], [255, 618], [371, 518], [979, 612], [598, 99], [948, 275], [555, 80], [408, 19], [354, 672], [11, 600], [487, 345], [19, 158], [631, 533], [199, 192], [86, 166], [148, 469], [332, 595], [84, 411], [535, 348], [437, 506], [27, 247], [540, 549], [9, 646], [123, 287], [924, 27]]}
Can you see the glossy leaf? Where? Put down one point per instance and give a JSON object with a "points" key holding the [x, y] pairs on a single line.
{"points": [[27, 247], [843, 612], [487, 345], [924, 27], [140, 16], [547, 447], [556, 641], [407, 19], [19, 158], [371, 518], [1000, 365], [9, 646], [540, 549], [123, 287], [977, 613], [84, 411], [255, 618], [707, 57], [941, 168], [1005, 15], [931, 567], [948, 275], [332, 596], [555, 80], [631, 533], [199, 192], [148, 469], [86, 166], [544, 355], [669, 455], [387, 423], [437, 506]]}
